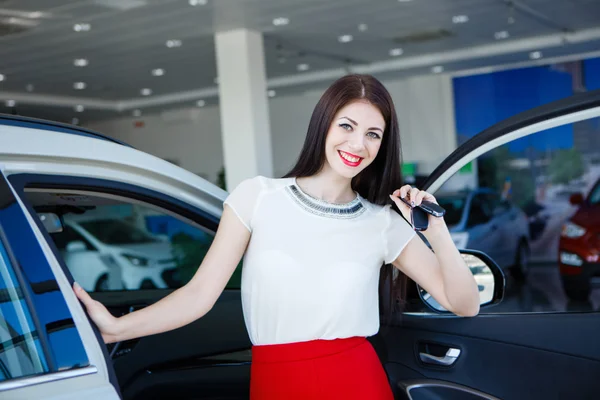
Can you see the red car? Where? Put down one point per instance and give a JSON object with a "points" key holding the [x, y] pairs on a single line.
{"points": [[579, 246]]}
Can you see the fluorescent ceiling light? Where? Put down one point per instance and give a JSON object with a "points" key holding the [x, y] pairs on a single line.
{"points": [[535, 55], [146, 92], [345, 38], [173, 43], [460, 19], [82, 27], [80, 62], [79, 85], [396, 52], [158, 72], [281, 21], [501, 35]]}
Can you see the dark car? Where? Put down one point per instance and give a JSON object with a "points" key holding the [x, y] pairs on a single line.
{"points": [[579, 246]]}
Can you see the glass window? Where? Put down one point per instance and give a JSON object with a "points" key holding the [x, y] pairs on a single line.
{"points": [[120, 244], [20, 350], [544, 235], [478, 212]]}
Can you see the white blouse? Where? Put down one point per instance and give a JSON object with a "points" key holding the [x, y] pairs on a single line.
{"points": [[311, 269]]}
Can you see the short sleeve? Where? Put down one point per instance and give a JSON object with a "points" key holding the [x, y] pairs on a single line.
{"points": [[397, 233], [244, 199]]}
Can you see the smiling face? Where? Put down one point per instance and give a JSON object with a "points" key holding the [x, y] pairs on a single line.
{"points": [[354, 138]]}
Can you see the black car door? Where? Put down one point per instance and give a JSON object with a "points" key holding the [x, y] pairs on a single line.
{"points": [[536, 344]]}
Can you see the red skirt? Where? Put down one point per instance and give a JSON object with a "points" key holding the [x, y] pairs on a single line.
{"points": [[346, 369]]}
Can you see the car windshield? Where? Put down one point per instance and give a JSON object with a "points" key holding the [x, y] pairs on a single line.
{"points": [[454, 205], [116, 232], [595, 194]]}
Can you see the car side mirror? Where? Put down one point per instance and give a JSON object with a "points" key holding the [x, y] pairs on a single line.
{"points": [[488, 275], [51, 222], [576, 199], [75, 246]]}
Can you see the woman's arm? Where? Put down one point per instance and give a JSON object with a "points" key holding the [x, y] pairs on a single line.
{"points": [[187, 303], [441, 272]]}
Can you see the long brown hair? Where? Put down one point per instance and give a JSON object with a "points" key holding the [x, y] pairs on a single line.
{"points": [[376, 182]]}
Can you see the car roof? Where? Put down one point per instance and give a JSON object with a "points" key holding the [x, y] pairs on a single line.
{"points": [[28, 122], [59, 146]]}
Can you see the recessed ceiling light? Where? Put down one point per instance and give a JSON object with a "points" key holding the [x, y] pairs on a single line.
{"points": [[201, 103], [79, 108], [1, 77], [79, 85], [173, 43], [11, 103], [271, 93], [303, 67], [81, 62], [396, 52], [535, 55], [198, 2], [30, 87], [137, 113], [501, 35], [281, 21], [363, 27], [146, 92], [345, 38], [75, 121], [82, 27], [437, 69], [460, 19], [158, 72]]}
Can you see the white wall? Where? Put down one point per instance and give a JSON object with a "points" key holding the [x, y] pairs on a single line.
{"points": [[191, 137], [425, 111]]}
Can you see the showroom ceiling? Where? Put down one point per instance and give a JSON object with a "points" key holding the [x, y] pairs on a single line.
{"points": [[106, 52]]}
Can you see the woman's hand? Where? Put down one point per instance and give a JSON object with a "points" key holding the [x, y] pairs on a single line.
{"points": [[105, 321], [415, 196]]}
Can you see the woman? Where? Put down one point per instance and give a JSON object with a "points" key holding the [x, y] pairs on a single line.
{"points": [[313, 244]]}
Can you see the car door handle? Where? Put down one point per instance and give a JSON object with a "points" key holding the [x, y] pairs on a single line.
{"points": [[449, 359]]}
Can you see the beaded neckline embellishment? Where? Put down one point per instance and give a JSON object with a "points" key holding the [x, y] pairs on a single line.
{"points": [[325, 209]]}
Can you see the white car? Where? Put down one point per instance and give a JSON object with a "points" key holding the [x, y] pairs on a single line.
{"points": [[108, 253]]}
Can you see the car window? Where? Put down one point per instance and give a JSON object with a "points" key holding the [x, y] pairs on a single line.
{"points": [[116, 244], [454, 206], [20, 349], [479, 212], [594, 197], [548, 248]]}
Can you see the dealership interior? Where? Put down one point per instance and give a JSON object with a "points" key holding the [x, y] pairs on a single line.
{"points": [[225, 89]]}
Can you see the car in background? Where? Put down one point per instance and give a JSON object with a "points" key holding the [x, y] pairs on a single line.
{"points": [[579, 245], [104, 252], [480, 219]]}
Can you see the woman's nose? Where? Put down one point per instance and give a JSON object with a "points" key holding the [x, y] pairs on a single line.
{"points": [[356, 143]]}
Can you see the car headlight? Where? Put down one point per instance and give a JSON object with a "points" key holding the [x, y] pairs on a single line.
{"points": [[571, 230], [460, 239], [135, 260]]}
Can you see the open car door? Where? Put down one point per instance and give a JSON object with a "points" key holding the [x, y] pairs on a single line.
{"points": [[541, 342]]}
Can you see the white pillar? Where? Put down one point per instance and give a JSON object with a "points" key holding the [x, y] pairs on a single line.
{"points": [[243, 103]]}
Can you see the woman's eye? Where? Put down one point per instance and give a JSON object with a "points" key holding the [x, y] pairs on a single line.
{"points": [[373, 135], [346, 127]]}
